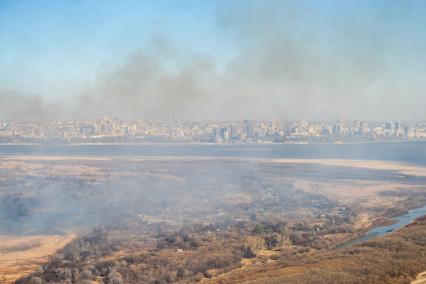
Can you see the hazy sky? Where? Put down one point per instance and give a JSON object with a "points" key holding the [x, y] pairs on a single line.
{"points": [[213, 59]]}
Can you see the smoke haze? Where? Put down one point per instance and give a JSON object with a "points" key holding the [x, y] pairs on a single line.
{"points": [[292, 60]]}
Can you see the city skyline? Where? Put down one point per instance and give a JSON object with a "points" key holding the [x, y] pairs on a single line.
{"points": [[170, 130]]}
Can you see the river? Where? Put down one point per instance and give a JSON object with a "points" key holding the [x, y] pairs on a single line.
{"points": [[400, 221], [409, 152]]}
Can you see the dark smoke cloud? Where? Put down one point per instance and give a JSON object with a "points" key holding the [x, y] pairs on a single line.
{"points": [[292, 63], [155, 81]]}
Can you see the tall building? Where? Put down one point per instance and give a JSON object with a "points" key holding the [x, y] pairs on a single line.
{"points": [[215, 138], [338, 129], [249, 128], [398, 130], [224, 133], [388, 129], [233, 132]]}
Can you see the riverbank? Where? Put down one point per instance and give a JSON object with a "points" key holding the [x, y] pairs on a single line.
{"points": [[400, 167], [396, 258], [387, 226]]}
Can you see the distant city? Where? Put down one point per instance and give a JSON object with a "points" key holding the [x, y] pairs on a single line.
{"points": [[170, 130]]}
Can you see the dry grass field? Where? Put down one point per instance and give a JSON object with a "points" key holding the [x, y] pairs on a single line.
{"points": [[242, 219], [22, 255]]}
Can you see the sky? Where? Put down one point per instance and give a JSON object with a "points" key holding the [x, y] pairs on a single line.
{"points": [[304, 59]]}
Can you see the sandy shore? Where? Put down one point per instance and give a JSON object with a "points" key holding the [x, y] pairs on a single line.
{"points": [[403, 168], [367, 164]]}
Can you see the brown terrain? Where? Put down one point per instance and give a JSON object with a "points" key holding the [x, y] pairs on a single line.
{"points": [[22, 255], [161, 220], [394, 258]]}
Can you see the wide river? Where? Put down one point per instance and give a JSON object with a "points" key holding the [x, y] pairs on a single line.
{"points": [[409, 152]]}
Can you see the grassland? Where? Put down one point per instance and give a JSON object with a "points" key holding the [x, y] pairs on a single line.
{"points": [[197, 219]]}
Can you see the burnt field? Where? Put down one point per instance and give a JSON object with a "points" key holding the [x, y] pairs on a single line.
{"points": [[165, 220], [50, 196]]}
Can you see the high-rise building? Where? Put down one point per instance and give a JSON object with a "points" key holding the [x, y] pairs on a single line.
{"points": [[398, 130], [388, 129], [338, 129], [249, 128], [215, 138], [224, 133], [233, 132]]}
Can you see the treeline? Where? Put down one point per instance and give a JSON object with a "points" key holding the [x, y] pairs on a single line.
{"points": [[188, 254], [394, 258], [184, 255]]}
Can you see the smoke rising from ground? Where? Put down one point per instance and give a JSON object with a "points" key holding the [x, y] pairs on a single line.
{"points": [[293, 61]]}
